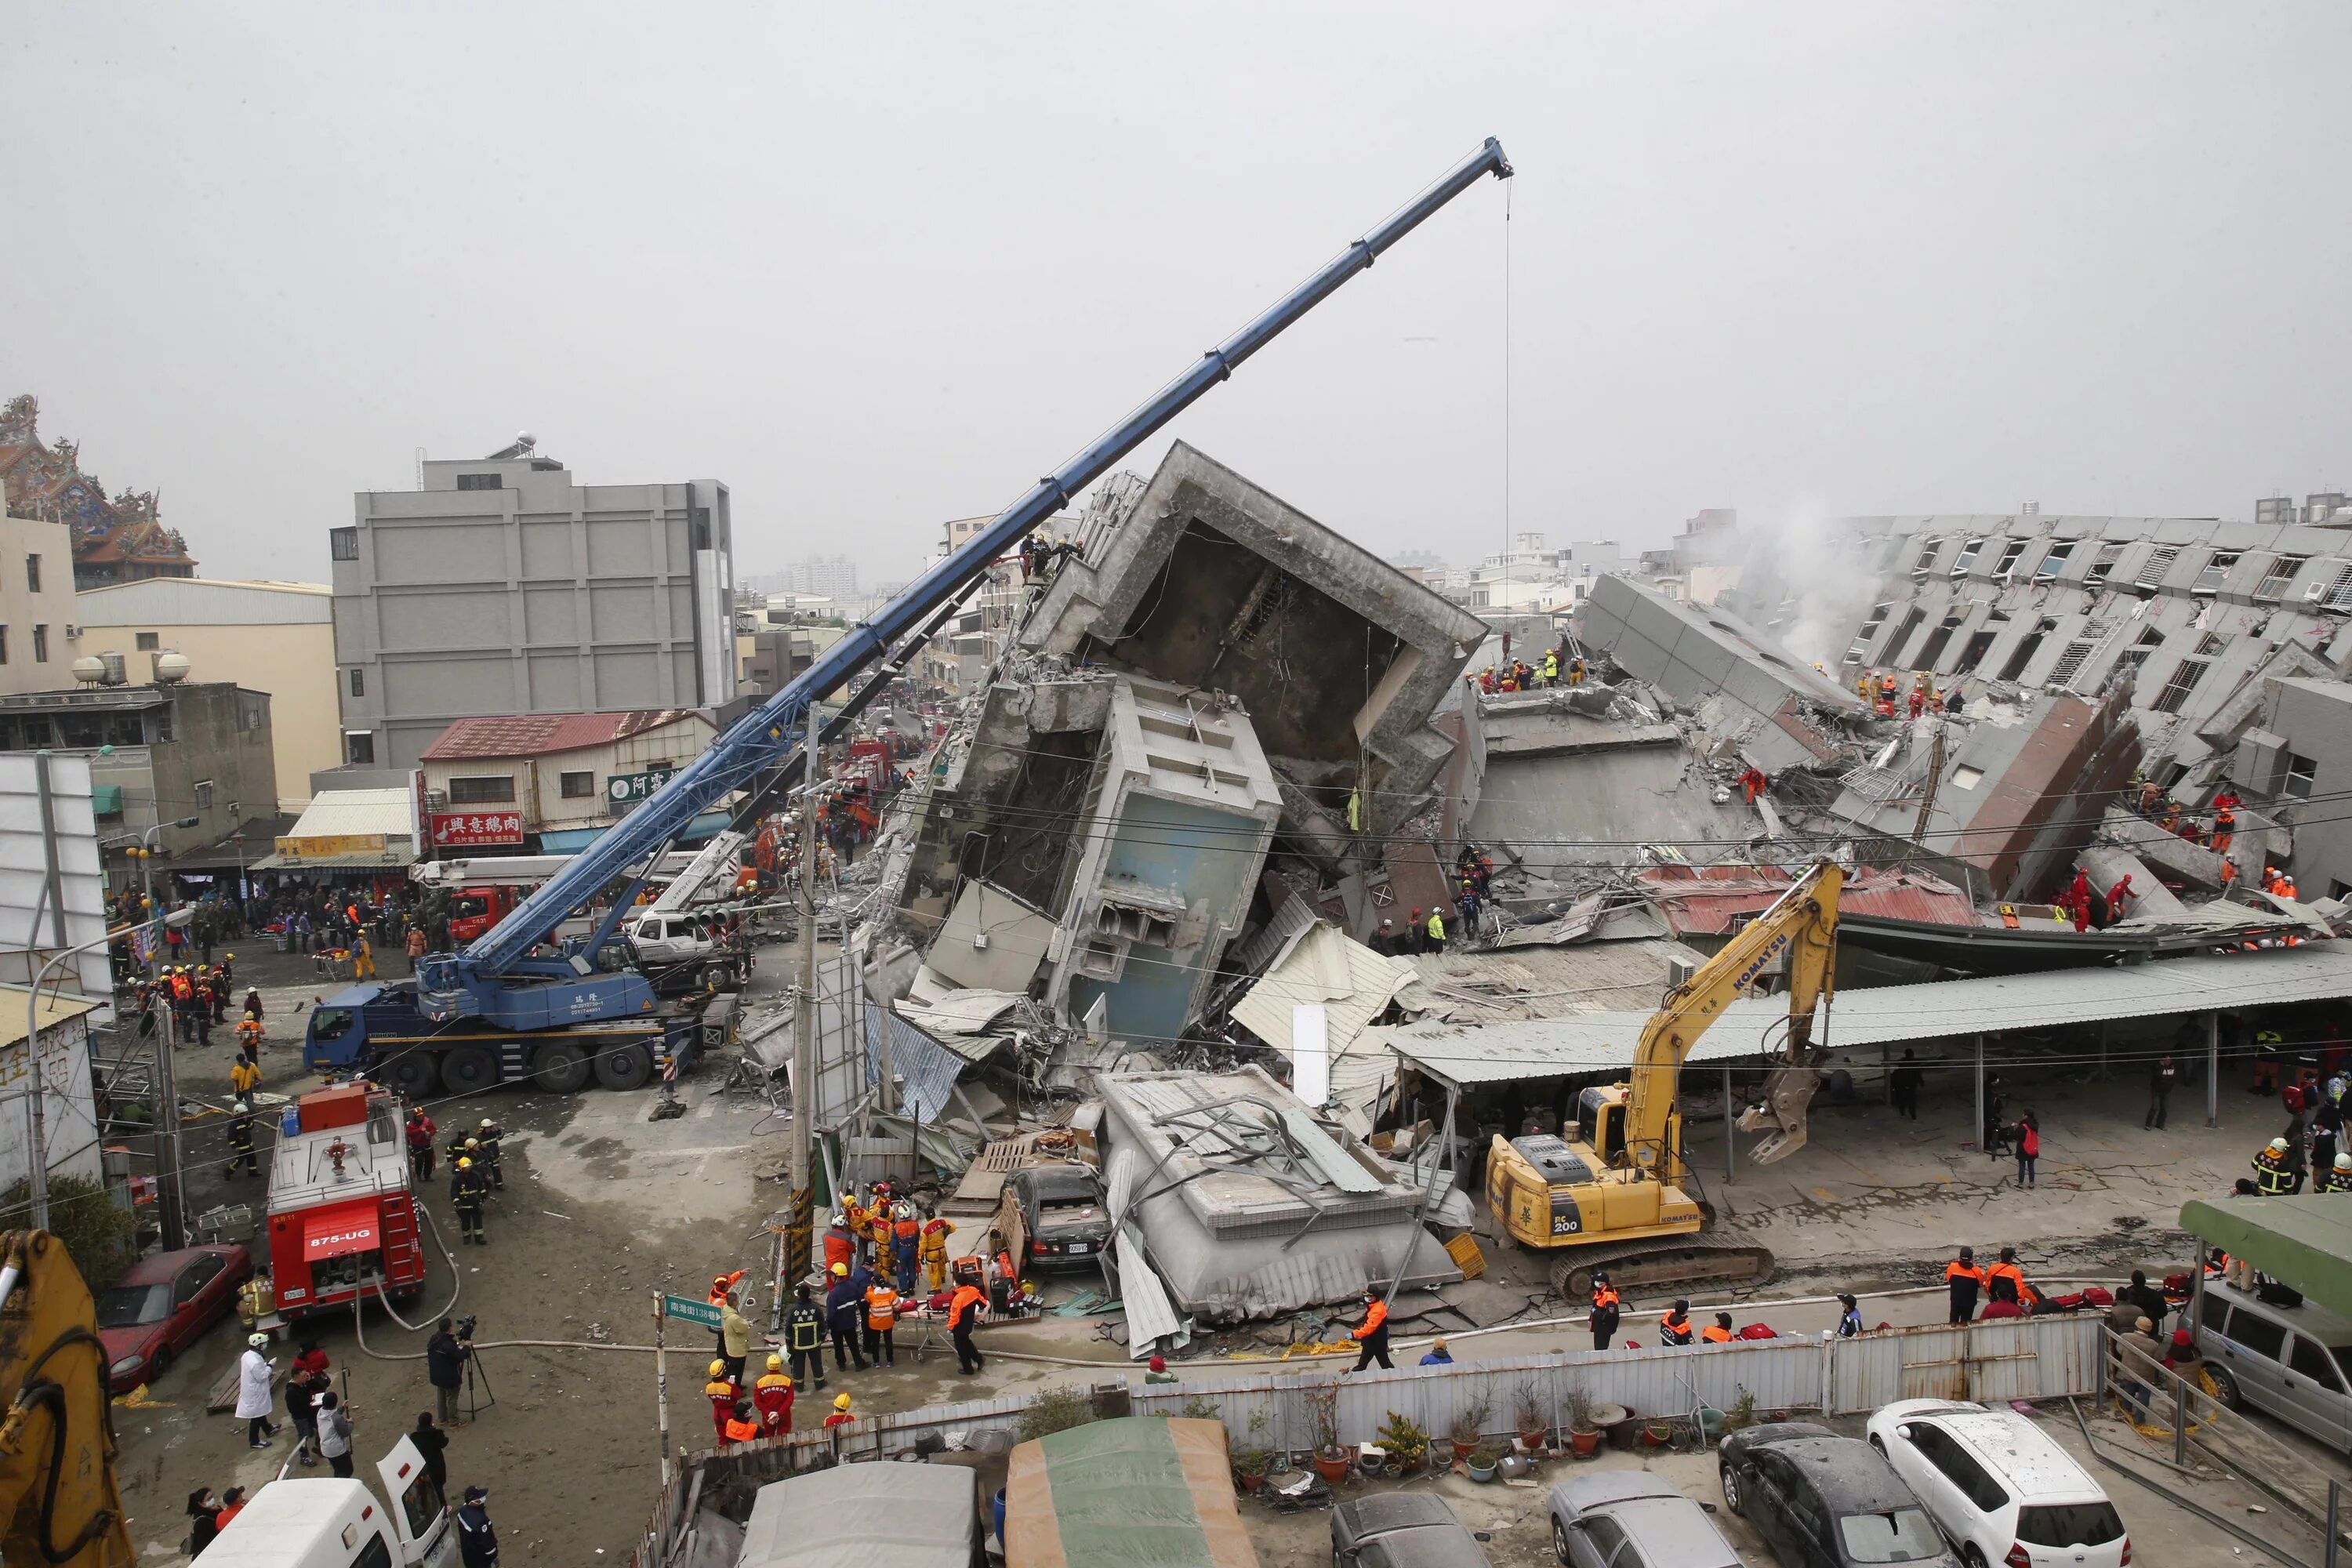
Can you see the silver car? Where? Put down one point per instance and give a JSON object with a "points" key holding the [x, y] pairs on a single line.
{"points": [[1630, 1519]]}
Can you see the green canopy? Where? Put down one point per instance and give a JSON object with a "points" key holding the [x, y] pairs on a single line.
{"points": [[2304, 1242]]}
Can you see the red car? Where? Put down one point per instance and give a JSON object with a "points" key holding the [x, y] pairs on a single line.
{"points": [[163, 1305]]}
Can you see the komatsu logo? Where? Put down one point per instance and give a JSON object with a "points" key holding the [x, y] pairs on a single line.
{"points": [[1772, 950]]}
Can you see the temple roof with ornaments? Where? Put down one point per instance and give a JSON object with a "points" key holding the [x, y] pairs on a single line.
{"points": [[115, 540]]}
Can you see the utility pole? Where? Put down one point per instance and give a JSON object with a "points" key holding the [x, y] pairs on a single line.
{"points": [[799, 1228]]}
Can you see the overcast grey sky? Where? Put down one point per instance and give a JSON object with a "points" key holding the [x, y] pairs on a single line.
{"points": [[877, 266]]}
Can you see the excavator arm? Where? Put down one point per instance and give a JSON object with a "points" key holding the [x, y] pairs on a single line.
{"points": [[1802, 924], [58, 1502]]}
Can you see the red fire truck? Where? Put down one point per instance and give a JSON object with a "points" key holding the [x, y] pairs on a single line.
{"points": [[342, 1219]]}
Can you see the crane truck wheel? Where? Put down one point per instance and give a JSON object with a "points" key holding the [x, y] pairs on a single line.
{"points": [[623, 1067], [469, 1070], [413, 1075], [560, 1066]]}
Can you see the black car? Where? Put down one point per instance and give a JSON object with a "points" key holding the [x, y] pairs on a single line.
{"points": [[1401, 1529], [1063, 1214], [1825, 1502]]}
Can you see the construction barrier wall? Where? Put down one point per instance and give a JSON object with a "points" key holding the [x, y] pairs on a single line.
{"points": [[1270, 1406]]}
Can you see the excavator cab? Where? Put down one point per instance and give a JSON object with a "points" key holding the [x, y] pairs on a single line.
{"points": [[1601, 1125]]}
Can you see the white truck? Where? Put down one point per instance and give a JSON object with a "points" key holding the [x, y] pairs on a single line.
{"points": [[301, 1523]]}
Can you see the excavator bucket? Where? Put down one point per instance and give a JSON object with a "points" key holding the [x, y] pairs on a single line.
{"points": [[1787, 1094]]}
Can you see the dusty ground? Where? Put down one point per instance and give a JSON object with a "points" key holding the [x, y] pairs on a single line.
{"points": [[603, 1208]]}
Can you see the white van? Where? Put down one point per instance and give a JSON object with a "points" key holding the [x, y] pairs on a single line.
{"points": [[2000, 1486], [333, 1524], [2292, 1363]]}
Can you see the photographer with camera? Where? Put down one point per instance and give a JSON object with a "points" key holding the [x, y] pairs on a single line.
{"points": [[445, 1354]]}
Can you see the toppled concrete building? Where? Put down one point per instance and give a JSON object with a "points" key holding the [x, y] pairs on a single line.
{"points": [[1248, 1207]]}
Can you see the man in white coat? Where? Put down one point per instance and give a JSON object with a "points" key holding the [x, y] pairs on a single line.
{"points": [[253, 1393]]}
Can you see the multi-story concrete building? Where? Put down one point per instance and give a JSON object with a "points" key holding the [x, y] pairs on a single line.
{"points": [[276, 638], [2191, 608], [504, 588], [158, 754], [833, 579], [36, 605]]}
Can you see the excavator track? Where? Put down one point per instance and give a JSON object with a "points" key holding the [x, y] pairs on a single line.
{"points": [[1724, 1257]]}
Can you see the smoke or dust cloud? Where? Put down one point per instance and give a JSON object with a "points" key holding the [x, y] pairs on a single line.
{"points": [[1803, 576]]}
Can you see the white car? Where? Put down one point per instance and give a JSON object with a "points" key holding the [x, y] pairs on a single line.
{"points": [[2005, 1493]]}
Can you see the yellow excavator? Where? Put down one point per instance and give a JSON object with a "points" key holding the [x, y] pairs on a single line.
{"points": [[59, 1503], [1606, 1195]]}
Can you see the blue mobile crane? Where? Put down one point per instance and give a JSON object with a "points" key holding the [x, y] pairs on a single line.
{"points": [[502, 984]]}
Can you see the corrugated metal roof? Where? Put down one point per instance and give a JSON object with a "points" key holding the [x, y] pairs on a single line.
{"points": [[1532, 983], [1352, 982], [927, 1070], [1707, 899], [1889, 1014], [535, 735], [56, 1007], [349, 812]]}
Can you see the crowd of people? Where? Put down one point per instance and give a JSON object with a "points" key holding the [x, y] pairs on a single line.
{"points": [[1559, 666]]}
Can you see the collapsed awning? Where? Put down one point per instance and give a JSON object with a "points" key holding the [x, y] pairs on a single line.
{"points": [[340, 1228], [2304, 1242]]}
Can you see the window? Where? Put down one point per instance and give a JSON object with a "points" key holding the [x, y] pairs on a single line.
{"points": [[2028, 648], [3, 645], [1933, 649], [344, 543], [2008, 555], [1859, 649], [1893, 652], [2280, 577], [375, 1555], [32, 573], [2339, 594], [2053, 560], [1967, 776], [2069, 663], [40, 642], [2212, 645], [2101, 564], [359, 681], [480, 788], [252, 710], [2159, 561], [579, 785], [203, 794], [147, 642], [1950, 1456], [481, 481], [2310, 1360], [1897, 1535], [2217, 1311], [1604, 1534], [2064, 1524], [701, 525], [2217, 567], [1966, 557], [2302, 773], [2184, 678], [358, 747], [2132, 657], [2257, 1334]]}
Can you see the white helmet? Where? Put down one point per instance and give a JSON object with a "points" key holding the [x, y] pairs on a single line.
{"points": [[256, 1341], [2278, 1146]]}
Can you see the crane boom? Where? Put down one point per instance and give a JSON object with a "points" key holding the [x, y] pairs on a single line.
{"points": [[494, 977]]}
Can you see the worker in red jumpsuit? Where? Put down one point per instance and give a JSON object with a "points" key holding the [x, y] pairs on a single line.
{"points": [[773, 1395], [723, 1394]]}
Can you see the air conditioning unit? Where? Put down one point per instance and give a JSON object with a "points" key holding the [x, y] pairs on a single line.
{"points": [[2315, 593], [73, 632]]}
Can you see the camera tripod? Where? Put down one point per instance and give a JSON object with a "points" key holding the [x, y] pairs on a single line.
{"points": [[478, 1392]]}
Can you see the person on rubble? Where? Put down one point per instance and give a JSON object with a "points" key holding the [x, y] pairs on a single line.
{"points": [[1371, 1335], [1467, 901], [773, 1395], [468, 1190], [964, 1315], [840, 1243], [1550, 676], [882, 1229], [1752, 783], [1414, 934], [1964, 1279], [2225, 828], [2119, 898], [1576, 672], [2274, 1175], [1862, 686], [1384, 940], [804, 1337], [844, 1309], [1436, 930], [906, 1241], [882, 1322], [1675, 1326], [2077, 900], [1918, 700], [933, 1248], [1605, 1315], [723, 1394]]}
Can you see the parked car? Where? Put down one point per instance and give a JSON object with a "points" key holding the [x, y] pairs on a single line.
{"points": [[1401, 1529], [2288, 1361], [1630, 1519], [163, 1305], [1062, 1212], [1999, 1486], [1825, 1502]]}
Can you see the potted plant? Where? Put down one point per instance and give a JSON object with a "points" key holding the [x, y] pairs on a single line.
{"points": [[1252, 1460], [1482, 1461], [1583, 1431], [1535, 1420], [1404, 1439], [1331, 1461], [1742, 1411], [1466, 1432]]}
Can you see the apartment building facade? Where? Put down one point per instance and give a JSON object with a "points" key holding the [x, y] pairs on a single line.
{"points": [[36, 605], [505, 587]]}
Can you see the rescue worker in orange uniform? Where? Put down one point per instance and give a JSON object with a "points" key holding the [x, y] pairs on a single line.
{"points": [[773, 1395], [1371, 1335], [840, 1244], [1719, 1332], [723, 1394], [2007, 1268], [881, 1323], [724, 1283], [1605, 1311], [2225, 828], [1675, 1328], [963, 1312], [1965, 1279], [741, 1425]]}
